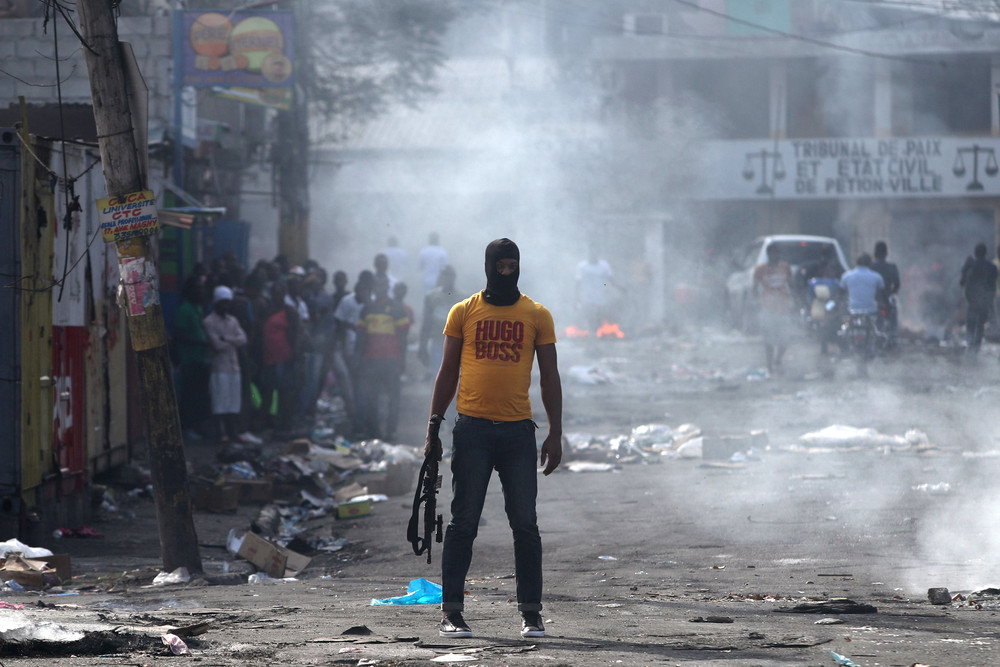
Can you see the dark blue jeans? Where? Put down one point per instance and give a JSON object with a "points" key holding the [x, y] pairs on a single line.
{"points": [[479, 447]]}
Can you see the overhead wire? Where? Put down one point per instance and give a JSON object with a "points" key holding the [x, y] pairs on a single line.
{"points": [[71, 202]]}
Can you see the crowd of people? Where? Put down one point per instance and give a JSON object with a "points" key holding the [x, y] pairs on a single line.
{"points": [[255, 350]]}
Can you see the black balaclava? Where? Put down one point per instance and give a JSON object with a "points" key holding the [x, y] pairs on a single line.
{"points": [[501, 290]]}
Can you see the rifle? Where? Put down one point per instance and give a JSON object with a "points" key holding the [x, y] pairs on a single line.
{"points": [[428, 484]]}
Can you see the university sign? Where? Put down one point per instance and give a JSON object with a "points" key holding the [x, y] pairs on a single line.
{"points": [[871, 168], [131, 215]]}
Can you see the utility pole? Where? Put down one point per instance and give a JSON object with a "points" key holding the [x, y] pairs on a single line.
{"points": [[292, 162], [123, 176]]}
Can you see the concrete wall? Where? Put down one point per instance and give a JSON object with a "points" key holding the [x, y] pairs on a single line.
{"points": [[28, 48]]}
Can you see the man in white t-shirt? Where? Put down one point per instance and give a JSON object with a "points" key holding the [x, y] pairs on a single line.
{"points": [[431, 260], [593, 277]]}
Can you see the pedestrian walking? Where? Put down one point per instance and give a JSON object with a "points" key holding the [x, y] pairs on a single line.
{"points": [[491, 340], [979, 280], [772, 285]]}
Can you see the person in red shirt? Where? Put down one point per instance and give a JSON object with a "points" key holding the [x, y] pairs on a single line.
{"points": [[280, 338]]}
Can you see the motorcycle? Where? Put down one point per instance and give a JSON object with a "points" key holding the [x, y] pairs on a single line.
{"points": [[865, 336], [821, 314]]}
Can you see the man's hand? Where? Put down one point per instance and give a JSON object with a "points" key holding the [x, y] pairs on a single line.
{"points": [[551, 453], [432, 443]]}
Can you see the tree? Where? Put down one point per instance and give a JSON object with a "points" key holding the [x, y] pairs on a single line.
{"points": [[354, 58]]}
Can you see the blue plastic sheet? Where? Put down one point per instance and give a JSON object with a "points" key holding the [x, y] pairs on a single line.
{"points": [[420, 591], [842, 660]]}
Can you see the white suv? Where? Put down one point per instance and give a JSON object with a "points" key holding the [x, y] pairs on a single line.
{"points": [[798, 250]]}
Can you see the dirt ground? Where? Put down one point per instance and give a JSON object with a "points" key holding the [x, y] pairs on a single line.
{"points": [[658, 560]]}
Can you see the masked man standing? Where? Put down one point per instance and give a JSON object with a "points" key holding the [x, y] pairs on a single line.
{"points": [[491, 340]]}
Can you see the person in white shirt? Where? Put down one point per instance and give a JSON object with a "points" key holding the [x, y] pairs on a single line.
{"points": [[431, 260], [225, 337], [399, 259], [593, 278]]}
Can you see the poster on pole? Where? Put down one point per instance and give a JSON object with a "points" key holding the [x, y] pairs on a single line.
{"points": [[248, 49], [127, 216]]}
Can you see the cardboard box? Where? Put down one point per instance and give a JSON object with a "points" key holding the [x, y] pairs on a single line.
{"points": [[270, 558], [62, 564], [217, 497], [29, 572], [351, 510]]}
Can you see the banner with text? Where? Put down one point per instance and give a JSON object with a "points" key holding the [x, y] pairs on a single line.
{"points": [[896, 167]]}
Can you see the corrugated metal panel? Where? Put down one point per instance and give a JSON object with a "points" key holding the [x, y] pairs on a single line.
{"points": [[10, 350]]}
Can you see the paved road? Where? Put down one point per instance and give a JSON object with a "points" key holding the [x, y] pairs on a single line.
{"points": [[665, 560]]}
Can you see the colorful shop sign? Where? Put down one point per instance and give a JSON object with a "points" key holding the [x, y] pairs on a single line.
{"points": [[248, 49]]}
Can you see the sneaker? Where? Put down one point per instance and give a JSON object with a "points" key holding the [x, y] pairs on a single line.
{"points": [[531, 624], [453, 625], [249, 438]]}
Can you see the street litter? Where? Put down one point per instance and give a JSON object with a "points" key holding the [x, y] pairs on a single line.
{"points": [[82, 531], [15, 546], [178, 576], [831, 606], [453, 657], [419, 591], [839, 436], [939, 596], [176, 644], [17, 628], [841, 660], [939, 489], [591, 466], [272, 559], [262, 578], [590, 375], [829, 621], [710, 619], [19, 572]]}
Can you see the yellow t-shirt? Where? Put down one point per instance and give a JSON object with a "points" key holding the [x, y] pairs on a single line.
{"points": [[498, 350]]}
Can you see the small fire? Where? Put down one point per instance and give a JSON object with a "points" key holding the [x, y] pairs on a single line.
{"points": [[609, 329], [573, 331]]}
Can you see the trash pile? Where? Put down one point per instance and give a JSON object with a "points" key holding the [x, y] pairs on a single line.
{"points": [[23, 567], [652, 443], [307, 476], [296, 483]]}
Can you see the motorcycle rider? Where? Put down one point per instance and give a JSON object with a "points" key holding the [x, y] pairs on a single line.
{"points": [[863, 287], [890, 274]]}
